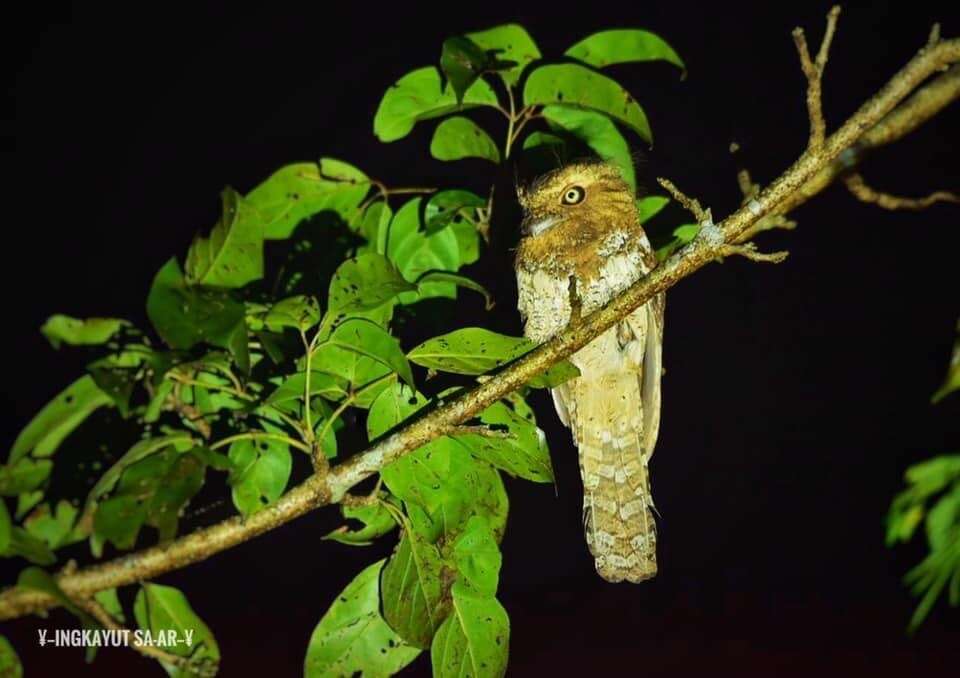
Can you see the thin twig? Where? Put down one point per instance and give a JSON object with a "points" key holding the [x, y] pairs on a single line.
{"points": [[692, 205], [863, 192], [813, 70], [749, 251]]}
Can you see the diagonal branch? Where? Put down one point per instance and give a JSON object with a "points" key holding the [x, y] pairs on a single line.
{"points": [[320, 490]]}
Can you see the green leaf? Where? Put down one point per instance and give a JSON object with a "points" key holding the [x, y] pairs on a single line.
{"points": [[181, 441], [952, 382], [300, 312], [54, 528], [621, 46], [6, 527], [474, 640], [451, 206], [681, 236], [458, 137], [579, 87], [373, 225], [292, 389], [40, 580], [463, 62], [648, 207], [352, 638], [232, 255], [362, 374], [261, 473], [598, 132], [365, 282], [412, 590], [459, 281], [299, 191], [10, 666], [24, 544], [943, 521], [475, 350], [43, 435], [111, 603], [478, 557], [23, 475], [63, 329], [524, 454], [370, 340], [185, 316], [539, 140], [511, 42], [416, 252], [375, 517], [164, 609], [418, 96], [176, 485], [119, 519]]}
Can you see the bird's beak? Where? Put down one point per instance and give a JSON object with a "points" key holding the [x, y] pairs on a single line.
{"points": [[533, 226]]}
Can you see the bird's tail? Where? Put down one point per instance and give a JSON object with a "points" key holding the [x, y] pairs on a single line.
{"points": [[617, 504]]}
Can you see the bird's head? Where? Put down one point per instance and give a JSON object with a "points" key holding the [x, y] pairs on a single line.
{"points": [[579, 201]]}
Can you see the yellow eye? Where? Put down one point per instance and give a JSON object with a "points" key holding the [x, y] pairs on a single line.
{"points": [[573, 195]]}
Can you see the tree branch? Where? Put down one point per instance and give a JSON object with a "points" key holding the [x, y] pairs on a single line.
{"points": [[787, 191]]}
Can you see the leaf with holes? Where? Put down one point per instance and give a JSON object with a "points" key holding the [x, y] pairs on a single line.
{"points": [[43, 435], [352, 638], [418, 96], [474, 639], [412, 589], [261, 473], [369, 339], [185, 316], [523, 454], [299, 191], [579, 87], [620, 46], [510, 42], [232, 255], [475, 350], [365, 282], [300, 312], [463, 62]]}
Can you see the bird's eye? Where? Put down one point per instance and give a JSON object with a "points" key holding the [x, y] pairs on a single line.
{"points": [[573, 195]]}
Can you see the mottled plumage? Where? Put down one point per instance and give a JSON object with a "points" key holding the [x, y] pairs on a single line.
{"points": [[582, 221]]}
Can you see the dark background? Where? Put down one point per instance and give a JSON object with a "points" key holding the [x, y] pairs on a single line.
{"points": [[795, 394]]}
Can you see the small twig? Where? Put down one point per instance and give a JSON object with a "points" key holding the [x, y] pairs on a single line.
{"points": [[859, 188], [691, 204], [813, 70], [749, 250]]}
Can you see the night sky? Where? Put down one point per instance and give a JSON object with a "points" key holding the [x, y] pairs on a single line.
{"points": [[795, 395]]}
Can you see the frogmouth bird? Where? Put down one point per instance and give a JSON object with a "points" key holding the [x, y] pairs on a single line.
{"points": [[583, 243]]}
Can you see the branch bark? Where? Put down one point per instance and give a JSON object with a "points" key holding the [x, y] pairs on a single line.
{"points": [[876, 122]]}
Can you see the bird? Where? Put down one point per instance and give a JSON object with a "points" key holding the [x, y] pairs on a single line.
{"points": [[581, 245]]}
